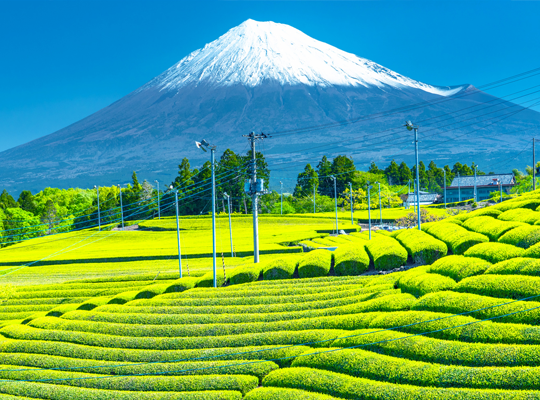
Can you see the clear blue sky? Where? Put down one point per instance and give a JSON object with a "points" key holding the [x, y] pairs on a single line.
{"points": [[63, 60]]}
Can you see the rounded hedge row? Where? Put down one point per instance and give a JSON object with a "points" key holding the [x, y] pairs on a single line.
{"points": [[516, 266], [486, 211], [520, 215], [270, 393], [457, 238], [207, 280], [533, 251], [348, 387], [315, 263], [532, 204], [459, 267], [524, 236], [367, 364], [491, 227], [350, 260], [386, 253], [245, 274], [419, 283], [488, 307], [494, 252], [506, 286], [282, 268], [422, 248]]}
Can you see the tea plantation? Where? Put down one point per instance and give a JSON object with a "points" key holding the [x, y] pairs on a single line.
{"points": [[449, 312]]}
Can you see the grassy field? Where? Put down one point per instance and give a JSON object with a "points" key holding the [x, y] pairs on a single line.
{"points": [[460, 321]]}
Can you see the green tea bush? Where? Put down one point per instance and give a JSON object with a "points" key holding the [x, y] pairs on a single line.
{"points": [[486, 211], [520, 215], [481, 307], [181, 285], [94, 302], [494, 252], [516, 266], [245, 274], [531, 204], [457, 238], [282, 268], [459, 267], [350, 260], [348, 387], [533, 251], [271, 393], [491, 227], [62, 309], [418, 284], [309, 245], [207, 280], [152, 291], [315, 263], [506, 286], [366, 364], [386, 253], [524, 236], [123, 298], [15, 315], [439, 351], [422, 248]]}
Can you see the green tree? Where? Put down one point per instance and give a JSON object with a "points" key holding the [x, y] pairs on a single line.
{"points": [[137, 187], [306, 182], [49, 216], [26, 201], [344, 170], [20, 225], [405, 174], [392, 173], [7, 201], [374, 169], [324, 171], [230, 166]]}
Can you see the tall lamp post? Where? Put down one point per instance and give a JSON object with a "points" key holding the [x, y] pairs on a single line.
{"points": [[121, 206], [230, 225], [158, 204], [335, 200], [98, 210], [459, 186], [475, 192], [177, 230], [409, 194], [444, 173], [369, 207], [409, 125], [281, 185], [380, 204], [204, 145], [352, 208], [314, 200]]}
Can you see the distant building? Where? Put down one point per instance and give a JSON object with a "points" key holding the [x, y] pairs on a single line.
{"points": [[426, 198], [462, 188]]}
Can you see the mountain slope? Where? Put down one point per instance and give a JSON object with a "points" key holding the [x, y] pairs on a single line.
{"points": [[266, 77]]}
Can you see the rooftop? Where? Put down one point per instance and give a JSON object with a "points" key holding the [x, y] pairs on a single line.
{"points": [[483, 180]]}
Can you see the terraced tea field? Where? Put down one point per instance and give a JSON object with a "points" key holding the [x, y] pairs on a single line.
{"points": [[460, 321]]}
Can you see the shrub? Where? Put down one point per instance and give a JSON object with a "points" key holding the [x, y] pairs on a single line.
{"points": [[520, 215], [152, 291], [457, 238], [94, 302], [418, 282], [494, 252], [386, 253], [282, 268], [486, 211], [245, 274], [459, 267], [524, 236], [364, 364], [181, 284], [207, 280], [533, 251], [270, 393], [491, 227], [422, 248], [481, 307], [345, 386], [439, 351], [519, 266], [532, 204], [315, 263], [350, 260], [506, 286], [123, 298], [62, 309]]}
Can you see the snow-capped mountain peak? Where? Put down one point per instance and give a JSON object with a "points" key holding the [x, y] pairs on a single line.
{"points": [[255, 52]]}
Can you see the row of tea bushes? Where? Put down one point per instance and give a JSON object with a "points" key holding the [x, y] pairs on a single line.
{"points": [[494, 252], [459, 267], [521, 215], [457, 238], [421, 247], [523, 236], [490, 227]]}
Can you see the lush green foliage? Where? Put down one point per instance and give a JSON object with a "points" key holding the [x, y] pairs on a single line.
{"points": [[315, 263], [519, 266], [524, 236], [282, 268], [459, 267], [422, 248], [494, 252], [491, 227], [458, 239], [386, 253], [520, 215], [419, 282], [350, 260], [506, 286]]}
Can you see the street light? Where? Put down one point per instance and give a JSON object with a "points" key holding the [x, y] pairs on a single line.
{"points": [[369, 207], [177, 230], [204, 145], [158, 205], [352, 208], [444, 173], [121, 206], [475, 195], [230, 225], [409, 125], [335, 200], [380, 204], [98, 210], [281, 184]]}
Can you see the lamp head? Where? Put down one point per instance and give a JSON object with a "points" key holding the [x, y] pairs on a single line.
{"points": [[409, 125], [171, 187], [225, 194], [200, 146]]}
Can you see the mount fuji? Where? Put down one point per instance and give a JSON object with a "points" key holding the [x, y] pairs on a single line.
{"points": [[270, 77]]}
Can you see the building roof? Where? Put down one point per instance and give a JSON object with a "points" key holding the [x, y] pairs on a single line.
{"points": [[424, 197], [483, 180]]}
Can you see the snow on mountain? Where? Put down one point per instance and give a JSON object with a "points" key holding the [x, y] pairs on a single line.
{"points": [[255, 52]]}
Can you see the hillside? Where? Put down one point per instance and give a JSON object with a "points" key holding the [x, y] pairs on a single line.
{"points": [[451, 312]]}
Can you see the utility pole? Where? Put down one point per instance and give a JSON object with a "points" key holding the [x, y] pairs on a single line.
{"points": [[500, 183], [475, 196], [350, 189], [121, 206], [281, 184], [410, 127], [254, 189], [369, 208], [380, 205], [178, 231], [98, 210], [230, 225], [409, 194], [534, 167], [158, 205], [335, 201], [444, 173], [459, 186], [314, 200]]}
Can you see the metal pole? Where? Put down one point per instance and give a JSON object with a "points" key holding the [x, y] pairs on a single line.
{"points": [[475, 197], [98, 209], [314, 199], [158, 205], [178, 234], [459, 186], [380, 205], [350, 188], [500, 183], [121, 206], [417, 177], [409, 194], [335, 202], [230, 224], [534, 168], [281, 184], [444, 172], [212, 157], [369, 208], [254, 201]]}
